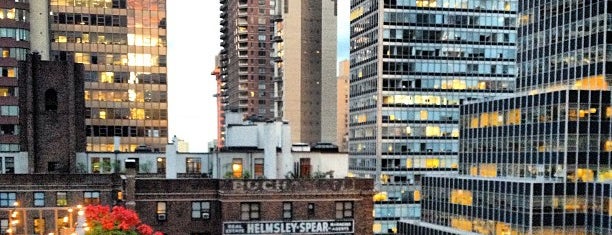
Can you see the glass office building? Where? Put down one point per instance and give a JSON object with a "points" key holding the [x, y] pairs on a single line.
{"points": [[538, 162], [413, 62], [122, 44]]}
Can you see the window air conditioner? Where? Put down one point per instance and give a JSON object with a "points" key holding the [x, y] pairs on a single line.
{"points": [[205, 215], [161, 217]]}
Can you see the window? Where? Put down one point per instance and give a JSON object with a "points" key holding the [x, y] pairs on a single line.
{"points": [[7, 110], [237, 167], [287, 210], [4, 225], [311, 209], [461, 197], [39, 199], [8, 199], [344, 210], [249, 211], [50, 100], [61, 199], [161, 165], [194, 165], [161, 210], [200, 210], [9, 165], [91, 198], [305, 167], [259, 168], [39, 226]]}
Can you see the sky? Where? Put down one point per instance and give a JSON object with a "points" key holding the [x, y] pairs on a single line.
{"points": [[193, 42]]}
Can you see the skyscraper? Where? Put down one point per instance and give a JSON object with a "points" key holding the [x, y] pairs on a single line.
{"points": [[305, 68], [538, 162], [342, 105], [413, 62], [122, 44], [15, 44], [246, 67]]}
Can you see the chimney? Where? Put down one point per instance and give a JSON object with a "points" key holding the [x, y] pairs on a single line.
{"points": [[130, 183]]}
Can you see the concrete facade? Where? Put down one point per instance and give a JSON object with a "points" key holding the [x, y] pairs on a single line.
{"points": [[306, 68]]}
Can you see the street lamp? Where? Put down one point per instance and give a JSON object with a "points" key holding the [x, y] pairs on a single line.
{"points": [[81, 226], [13, 219]]}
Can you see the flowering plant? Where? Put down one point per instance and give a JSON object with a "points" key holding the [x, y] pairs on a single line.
{"points": [[118, 221]]}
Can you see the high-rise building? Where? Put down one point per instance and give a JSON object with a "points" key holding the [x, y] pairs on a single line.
{"points": [[15, 44], [278, 62], [122, 44], [342, 105], [305, 61], [246, 66], [413, 62], [538, 162]]}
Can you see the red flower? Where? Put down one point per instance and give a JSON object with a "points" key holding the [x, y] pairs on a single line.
{"points": [[117, 220], [145, 229]]}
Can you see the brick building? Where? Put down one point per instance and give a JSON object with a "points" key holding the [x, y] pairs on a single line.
{"points": [[191, 206], [51, 200], [52, 114], [307, 206]]}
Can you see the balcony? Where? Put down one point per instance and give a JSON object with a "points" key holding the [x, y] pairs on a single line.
{"points": [[223, 7], [277, 39], [223, 1], [276, 18], [223, 22], [223, 29], [243, 22], [277, 59], [223, 14], [277, 79], [223, 36]]}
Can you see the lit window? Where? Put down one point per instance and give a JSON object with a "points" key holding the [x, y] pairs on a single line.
{"points": [[91, 198], [194, 165], [61, 199], [432, 163], [237, 168], [489, 170], [161, 208], [461, 197]]}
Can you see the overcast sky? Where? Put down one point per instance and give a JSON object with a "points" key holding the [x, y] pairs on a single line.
{"points": [[193, 42]]}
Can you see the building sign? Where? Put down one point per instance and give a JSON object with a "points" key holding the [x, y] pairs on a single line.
{"points": [[292, 185], [292, 227]]}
